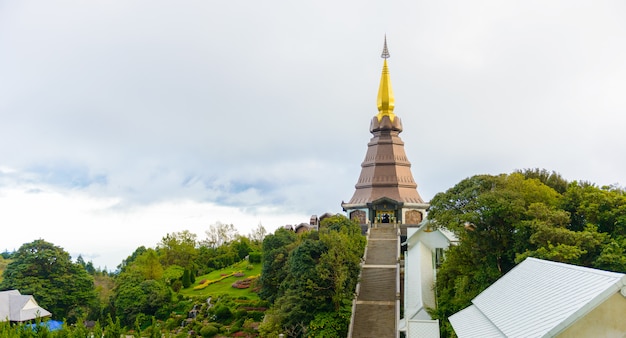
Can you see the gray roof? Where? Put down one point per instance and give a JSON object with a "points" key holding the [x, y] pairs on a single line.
{"points": [[16, 307], [537, 298]]}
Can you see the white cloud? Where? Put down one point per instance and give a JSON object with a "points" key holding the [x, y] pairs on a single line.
{"points": [[147, 104], [101, 231]]}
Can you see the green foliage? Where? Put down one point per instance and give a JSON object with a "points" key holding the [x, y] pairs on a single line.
{"points": [[254, 257], [47, 272], [331, 324], [134, 296], [173, 273], [224, 285], [186, 279], [552, 179], [222, 313], [501, 220], [209, 331], [113, 328], [148, 265], [178, 248], [276, 248], [130, 259], [310, 274], [613, 256]]}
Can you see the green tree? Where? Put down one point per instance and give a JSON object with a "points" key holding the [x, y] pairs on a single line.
{"points": [[148, 265], [134, 296], [141, 289], [178, 248], [276, 248], [186, 279], [500, 220], [113, 328], [490, 215], [241, 246], [331, 324], [47, 272], [173, 273], [604, 207], [130, 259], [310, 274], [552, 179]]}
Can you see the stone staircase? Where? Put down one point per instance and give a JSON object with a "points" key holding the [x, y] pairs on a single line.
{"points": [[374, 313]]}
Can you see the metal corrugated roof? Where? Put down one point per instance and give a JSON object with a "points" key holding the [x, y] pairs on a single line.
{"points": [[539, 298], [470, 323], [18, 308]]}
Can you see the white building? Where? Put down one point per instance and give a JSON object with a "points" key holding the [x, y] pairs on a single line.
{"points": [[425, 248], [541, 298], [16, 307]]}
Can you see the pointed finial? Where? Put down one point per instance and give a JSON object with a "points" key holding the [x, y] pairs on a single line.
{"points": [[385, 54], [385, 100]]}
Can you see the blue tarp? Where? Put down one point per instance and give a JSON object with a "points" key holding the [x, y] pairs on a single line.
{"points": [[52, 325]]}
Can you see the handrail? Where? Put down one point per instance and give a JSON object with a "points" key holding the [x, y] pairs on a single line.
{"points": [[398, 288]]}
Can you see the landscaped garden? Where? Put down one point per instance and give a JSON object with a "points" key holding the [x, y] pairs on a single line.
{"points": [[220, 282]]}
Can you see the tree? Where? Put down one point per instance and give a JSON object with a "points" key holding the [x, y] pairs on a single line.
{"points": [[130, 259], [258, 234], [500, 220], [339, 266], [310, 274], [241, 246], [219, 234], [47, 272], [604, 207], [276, 248], [178, 248], [134, 295], [186, 279], [552, 179], [490, 215]]}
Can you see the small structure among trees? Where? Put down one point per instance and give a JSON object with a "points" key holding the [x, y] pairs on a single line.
{"points": [[16, 307]]}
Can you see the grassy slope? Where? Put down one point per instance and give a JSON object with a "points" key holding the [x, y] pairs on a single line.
{"points": [[224, 286]]}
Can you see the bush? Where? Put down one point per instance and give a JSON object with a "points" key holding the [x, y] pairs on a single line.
{"points": [[208, 331], [254, 257], [177, 285], [222, 312], [240, 313], [256, 315]]}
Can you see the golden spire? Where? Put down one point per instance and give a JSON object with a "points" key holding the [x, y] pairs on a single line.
{"points": [[385, 101]]}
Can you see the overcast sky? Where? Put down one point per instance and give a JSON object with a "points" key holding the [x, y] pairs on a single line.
{"points": [[122, 121]]}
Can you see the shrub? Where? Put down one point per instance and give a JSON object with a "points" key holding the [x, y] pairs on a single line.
{"points": [[208, 331], [177, 285], [240, 313], [254, 257], [256, 315], [222, 312]]}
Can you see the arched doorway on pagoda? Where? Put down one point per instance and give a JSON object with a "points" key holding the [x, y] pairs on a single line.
{"points": [[385, 210]]}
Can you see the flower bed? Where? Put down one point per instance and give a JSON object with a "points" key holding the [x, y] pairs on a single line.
{"points": [[209, 282]]}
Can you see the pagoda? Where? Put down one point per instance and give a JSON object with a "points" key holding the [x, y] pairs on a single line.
{"points": [[386, 191]]}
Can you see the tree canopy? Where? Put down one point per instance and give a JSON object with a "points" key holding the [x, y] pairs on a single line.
{"points": [[47, 272], [311, 278], [502, 219]]}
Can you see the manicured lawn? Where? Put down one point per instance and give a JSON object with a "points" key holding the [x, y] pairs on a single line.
{"points": [[225, 286]]}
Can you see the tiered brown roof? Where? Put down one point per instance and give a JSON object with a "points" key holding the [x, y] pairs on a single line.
{"points": [[386, 170]]}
